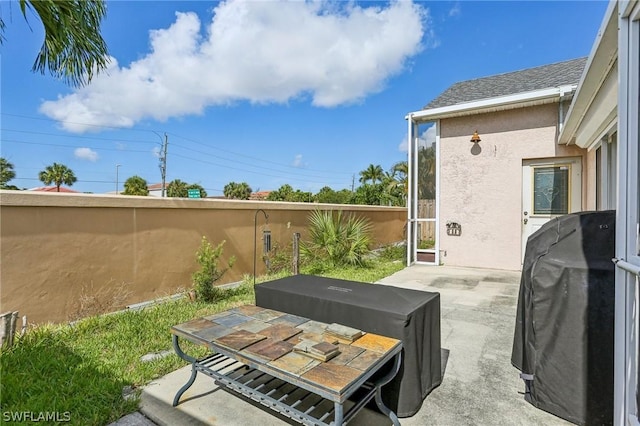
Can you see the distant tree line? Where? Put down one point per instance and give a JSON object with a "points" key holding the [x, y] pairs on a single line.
{"points": [[377, 186]]}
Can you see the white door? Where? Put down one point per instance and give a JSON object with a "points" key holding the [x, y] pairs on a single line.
{"points": [[550, 188]]}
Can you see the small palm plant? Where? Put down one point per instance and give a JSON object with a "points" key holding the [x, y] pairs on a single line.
{"points": [[337, 240]]}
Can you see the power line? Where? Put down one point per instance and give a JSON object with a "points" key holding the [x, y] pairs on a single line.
{"points": [[254, 158], [309, 178], [30, 117], [70, 146], [250, 171], [77, 136]]}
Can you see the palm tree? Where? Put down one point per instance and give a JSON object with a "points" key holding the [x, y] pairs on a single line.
{"points": [[284, 193], [73, 48], [135, 185], [177, 188], [372, 173], [238, 191], [6, 173], [57, 174], [396, 183], [427, 173]]}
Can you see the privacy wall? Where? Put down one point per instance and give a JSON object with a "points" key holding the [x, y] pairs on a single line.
{"points": [[58, 250]]}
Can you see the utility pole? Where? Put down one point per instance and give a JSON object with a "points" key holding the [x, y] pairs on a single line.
{"points": [[353, 182], [163, 162], [117, 167]]}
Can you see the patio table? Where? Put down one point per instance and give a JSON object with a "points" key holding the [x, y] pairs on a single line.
{"points": [[412, 316], [253, 354]]}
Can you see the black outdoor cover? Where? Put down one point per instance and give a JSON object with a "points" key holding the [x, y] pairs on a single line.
{"points": [[409, 315], [563, 341]]}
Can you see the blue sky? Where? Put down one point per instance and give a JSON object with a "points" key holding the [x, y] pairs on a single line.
{"points": [[265, 92]]}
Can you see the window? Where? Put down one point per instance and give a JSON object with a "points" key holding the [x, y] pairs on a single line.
{"points": [[266, 241], [551, 190]]}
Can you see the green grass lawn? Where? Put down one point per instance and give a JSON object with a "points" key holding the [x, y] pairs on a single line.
{"points": [[80, 370]]}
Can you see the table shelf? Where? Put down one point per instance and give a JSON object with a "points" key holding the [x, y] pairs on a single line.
{"points": [[286, 398]]}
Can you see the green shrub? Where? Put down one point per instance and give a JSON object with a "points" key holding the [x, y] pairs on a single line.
{"points": [[204, 279], [279, 259], [336, 240], [394, 252], [426, 244]]}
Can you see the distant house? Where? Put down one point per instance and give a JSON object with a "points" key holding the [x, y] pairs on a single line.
{"points": [[155, 189], [259, 195], [54, 189]]}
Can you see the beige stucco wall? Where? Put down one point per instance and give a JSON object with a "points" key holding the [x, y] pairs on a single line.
{"points": [[483, 192], [54, 248], [590, 176]]}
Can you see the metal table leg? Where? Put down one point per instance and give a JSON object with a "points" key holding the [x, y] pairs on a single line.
{"points": [[338, 414], [383, 381], [194, 372]]}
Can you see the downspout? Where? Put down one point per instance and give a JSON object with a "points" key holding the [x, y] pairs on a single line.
{"points": [[560, 116], [565, 95]]}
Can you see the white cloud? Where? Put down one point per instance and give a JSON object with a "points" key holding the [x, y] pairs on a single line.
{"points": [[426, 139], [455, 10], [334, 53], [86, 154], [297, 162]]}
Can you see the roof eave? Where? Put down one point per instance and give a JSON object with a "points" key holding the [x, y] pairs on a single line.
{"points": [[492, 104], [602, 57]]}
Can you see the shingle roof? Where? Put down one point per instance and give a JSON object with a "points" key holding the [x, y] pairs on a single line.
{"points": [[538, 78]]}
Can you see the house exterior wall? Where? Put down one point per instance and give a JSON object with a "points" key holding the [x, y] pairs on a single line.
{"points": [[58, 248], [483, 191], [590, 172]]}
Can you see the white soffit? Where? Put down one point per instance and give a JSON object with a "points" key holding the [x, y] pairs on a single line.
{"points": [[602, 59], [602, 111], [519, 100]]}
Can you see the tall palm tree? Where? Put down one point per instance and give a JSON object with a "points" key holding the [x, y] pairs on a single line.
{"points": [[6, 172], [177, 188], [373, 173], [136, 185], [397, 183], [401, 171], [57, 174], [73, 48], [238, 191], [427, 173]]}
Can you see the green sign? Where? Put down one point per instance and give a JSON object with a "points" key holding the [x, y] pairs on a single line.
{"points": [[194, 193]]}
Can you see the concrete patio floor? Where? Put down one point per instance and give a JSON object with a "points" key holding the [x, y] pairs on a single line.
{"points": [[480, 387]]}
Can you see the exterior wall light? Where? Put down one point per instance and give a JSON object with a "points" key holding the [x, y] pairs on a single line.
{"points": [[476, 137]]}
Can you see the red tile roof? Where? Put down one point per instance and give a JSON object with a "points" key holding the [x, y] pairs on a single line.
{"points": [[54, 189], [157, 186], [259, 195]]}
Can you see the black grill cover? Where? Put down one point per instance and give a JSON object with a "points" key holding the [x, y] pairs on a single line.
{"points": [[563, 341], [409, 315]]}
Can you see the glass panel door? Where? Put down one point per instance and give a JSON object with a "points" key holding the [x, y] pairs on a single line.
{"points": [[422, 227]]}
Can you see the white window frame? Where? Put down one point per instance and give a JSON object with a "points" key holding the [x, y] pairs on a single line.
{"points": [[413, 221], [626, 408], [607, 197]]}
